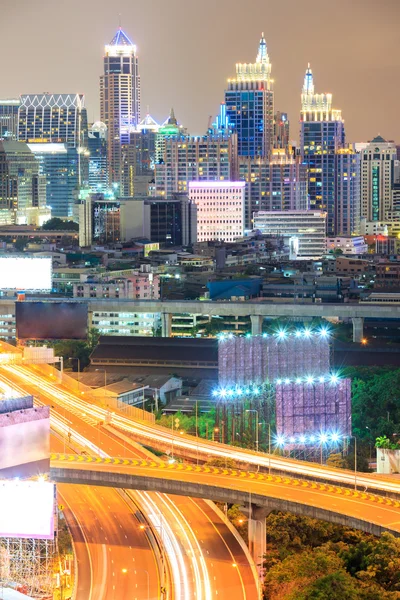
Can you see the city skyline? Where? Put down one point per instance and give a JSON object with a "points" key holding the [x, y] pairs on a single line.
{"points": [[190, 56]]}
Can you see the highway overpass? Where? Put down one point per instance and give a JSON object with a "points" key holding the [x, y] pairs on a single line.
{"points": [[353, 508], [256, 310]]}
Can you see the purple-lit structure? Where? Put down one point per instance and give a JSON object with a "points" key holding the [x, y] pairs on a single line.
{"points": [[313, 406], [256, 359]]}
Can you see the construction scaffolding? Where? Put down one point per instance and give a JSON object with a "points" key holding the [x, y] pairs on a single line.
{"points": [[257, 359], [27, 565]]}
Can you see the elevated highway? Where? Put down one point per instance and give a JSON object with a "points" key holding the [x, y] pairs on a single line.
{"points": [[353, 508], [256, 310]]}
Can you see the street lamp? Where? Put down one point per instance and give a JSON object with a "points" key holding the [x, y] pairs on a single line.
{"points": [[353, 437], [255, 411], [79, 368], [215, 430]]}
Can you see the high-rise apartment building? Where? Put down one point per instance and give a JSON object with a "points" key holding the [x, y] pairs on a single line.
{"points": [[97, 147], [119, 98], [53, 118], [322, 134], [347, 192], [9, 119], [208, 158], [378, 167], [249, 102], [302, 230], [275, 183], [22, 188], [220, 209]]}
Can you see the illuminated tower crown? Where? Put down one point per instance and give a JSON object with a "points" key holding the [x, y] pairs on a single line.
{"points": [[258, 71], [316, 107]]}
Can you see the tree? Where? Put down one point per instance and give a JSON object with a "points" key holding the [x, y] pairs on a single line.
{"points": [[20, 244], [336, 460], [56, 224], [335, 586]]}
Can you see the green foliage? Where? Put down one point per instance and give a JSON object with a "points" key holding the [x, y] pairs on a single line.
{"points": [[330, 587], [336, 460], [71, 350], [20, 244], [187, 423], [309, 560], [56, 224], [222, 463]]}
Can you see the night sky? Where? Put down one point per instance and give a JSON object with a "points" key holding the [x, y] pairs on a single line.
{"points": [[188, 49]]}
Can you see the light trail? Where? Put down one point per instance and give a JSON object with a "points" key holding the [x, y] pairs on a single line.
{"points": [[178, 538], [205, 447]]}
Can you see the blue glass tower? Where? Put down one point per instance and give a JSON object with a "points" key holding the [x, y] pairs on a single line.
{"points": [[322, 135], [249, 102]]}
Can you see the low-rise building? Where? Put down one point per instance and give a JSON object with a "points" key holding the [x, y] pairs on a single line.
{"points": [[348, 245], [139, 286]]}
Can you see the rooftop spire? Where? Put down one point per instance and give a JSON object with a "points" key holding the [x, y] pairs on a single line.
{"points": [[262, 56], [172, 119], [308, 87], [121, 39]]}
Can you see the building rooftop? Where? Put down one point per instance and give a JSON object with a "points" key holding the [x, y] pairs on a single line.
{"points": [[121, 39]]}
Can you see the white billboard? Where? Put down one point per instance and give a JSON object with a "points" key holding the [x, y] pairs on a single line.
{"points": [[25, 273], [27, 509]]}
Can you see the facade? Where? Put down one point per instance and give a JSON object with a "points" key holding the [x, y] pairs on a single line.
{"points": [[322, 135], [348, 245], [139, 286], [347, 192], [97, 147], [220, 209], [303, 230], [119, 98], [378, 164], [53, 118], [387, 274], [249, 102], [9, 119], [59, 166], [124, 323], [281, 131], [172, 222], [276, 183], [208, 158], [22, 188]]}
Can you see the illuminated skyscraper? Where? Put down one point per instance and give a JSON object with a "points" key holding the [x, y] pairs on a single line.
{"points": [[55, 118], [8, 119], [249, 102], [322, 134], [119, 98]]}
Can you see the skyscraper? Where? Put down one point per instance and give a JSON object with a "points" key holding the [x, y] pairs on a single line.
{"points": [[8, 119], [322, 134], [281, 130], [347, 192], [55, 118], [97, 146], [249, 102], [22, 189], [186, 158], [119, 98], [378, 166]]}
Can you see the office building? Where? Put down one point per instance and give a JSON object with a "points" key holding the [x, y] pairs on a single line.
{"points": [[378, 172], [22, 188], [97, 147], [119, 98], [275, 183], [168, 222], [249, 102], [208, 158], [220, 209], [281, 130], [53, 118], [59, 164], [302, 230], [347, 192], [322, 134], [9, 119]]}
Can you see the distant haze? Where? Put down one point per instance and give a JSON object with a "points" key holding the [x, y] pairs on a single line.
{"points": [[188, 49]]}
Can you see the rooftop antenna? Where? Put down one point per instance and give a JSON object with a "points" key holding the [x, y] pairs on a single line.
{"points": [[119, 20]]}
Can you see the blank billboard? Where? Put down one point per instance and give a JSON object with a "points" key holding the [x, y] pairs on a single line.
{"points": [[25, 273], [27, 509], [51, 320]]}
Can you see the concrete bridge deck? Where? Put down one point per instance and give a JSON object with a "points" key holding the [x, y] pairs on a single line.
{"points": [[353, 508]]}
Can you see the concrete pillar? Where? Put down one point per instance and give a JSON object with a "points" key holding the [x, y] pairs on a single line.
{"points": [[358, 329], [256, 324], [166, 324], [258, 542]]}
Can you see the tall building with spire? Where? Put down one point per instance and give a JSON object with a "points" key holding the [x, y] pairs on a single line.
{"points": [[249, 102], [322, 135], [119, 98]]}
